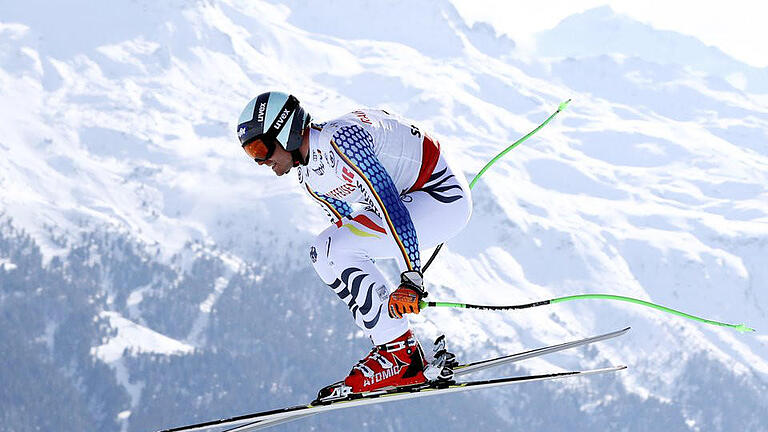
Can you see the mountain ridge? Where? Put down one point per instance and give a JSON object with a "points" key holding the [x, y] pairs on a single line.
{"points": [[121, 169]]}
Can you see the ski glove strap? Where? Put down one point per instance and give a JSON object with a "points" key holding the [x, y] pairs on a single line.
{"points": [[413, 279], [406, 298]]}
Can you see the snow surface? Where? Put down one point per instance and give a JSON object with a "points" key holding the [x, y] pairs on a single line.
{"points": [[135, 338], [7, 264], [652, 184]]}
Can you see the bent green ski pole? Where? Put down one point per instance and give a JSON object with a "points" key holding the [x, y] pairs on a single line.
{"points": [[501, 154], [739, 327]]}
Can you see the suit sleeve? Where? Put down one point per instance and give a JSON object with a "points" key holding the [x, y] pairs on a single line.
{"points": [[355, 148], [334, 208]]}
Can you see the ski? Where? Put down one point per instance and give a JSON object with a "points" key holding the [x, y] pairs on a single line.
{"points": [[498, 361], [464, 369], [274, 417]]}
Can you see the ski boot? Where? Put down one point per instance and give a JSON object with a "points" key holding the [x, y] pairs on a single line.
{"points": [[399, 363], [440, 369]]}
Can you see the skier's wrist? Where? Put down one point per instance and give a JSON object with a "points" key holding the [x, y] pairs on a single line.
{"points": [[413, 279]]}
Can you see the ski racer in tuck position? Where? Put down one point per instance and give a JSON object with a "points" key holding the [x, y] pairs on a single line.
{"points": [[388, 191]]}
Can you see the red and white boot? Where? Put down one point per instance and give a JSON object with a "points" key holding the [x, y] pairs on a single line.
{"points": [[399, 363]]}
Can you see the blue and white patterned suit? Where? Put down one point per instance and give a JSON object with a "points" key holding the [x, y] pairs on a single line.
{"points": [[373, 173]]}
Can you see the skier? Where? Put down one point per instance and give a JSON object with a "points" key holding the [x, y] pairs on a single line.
{"points": [[388, 191]]}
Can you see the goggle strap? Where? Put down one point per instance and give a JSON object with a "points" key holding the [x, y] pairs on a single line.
{"points": [[297, 126]]}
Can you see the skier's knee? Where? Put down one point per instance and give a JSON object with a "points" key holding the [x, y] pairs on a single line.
{"points": [[460, 213]]}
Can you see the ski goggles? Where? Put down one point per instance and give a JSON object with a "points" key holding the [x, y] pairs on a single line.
{"points": [[260, 148]]}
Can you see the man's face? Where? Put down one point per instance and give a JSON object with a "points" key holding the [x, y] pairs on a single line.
{"points": [[281, 161]]}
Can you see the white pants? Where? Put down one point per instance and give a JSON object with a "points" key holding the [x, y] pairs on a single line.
{"points": [[343, 256]]}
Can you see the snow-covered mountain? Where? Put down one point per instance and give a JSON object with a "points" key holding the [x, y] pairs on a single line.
{"points": [[151, 275]]}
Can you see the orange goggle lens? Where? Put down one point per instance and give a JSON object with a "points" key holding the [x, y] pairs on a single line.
{"points": [[258, 150]]}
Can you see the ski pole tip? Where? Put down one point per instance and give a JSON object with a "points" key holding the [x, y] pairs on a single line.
{"points": [[744, 329], [563, 105]]}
